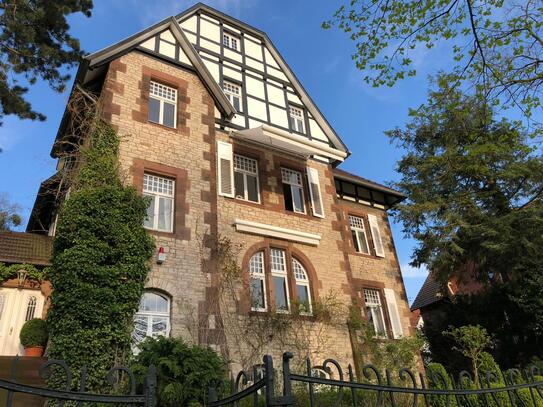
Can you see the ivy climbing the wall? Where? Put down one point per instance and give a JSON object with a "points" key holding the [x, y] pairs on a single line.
{"points": [[100, 264]]}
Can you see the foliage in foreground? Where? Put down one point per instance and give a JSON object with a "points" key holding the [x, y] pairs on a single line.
{"points": [[99, 265], [184, 372], [493, 46], [35, 44]]}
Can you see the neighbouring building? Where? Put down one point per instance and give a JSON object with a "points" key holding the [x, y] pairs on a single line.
{"points": [[22, 297], [220, 133]]}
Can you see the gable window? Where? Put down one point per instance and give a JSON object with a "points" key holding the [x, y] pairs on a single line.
{"points": [[279, 277], [257, 284], [162, 104], [152, 318], [358, 231], [293, 190], [374, 311], [233, 93], [230, 41], [161, 206], [303, 295], [288, 282], [246, 178], [296, 119]]}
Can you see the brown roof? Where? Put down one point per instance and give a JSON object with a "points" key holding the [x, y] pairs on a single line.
{"points": [[31, 248], [366, 182], [429, 293]]}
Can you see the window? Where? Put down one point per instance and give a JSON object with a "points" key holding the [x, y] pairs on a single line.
{"points": [[246, 178], [374, 311], [303, 295], [160, 211], [30, 308], [257, 284], [152, 318], [229, 41], [233, 93], [2, 303], [279, 277], [293, 190], [269, 266], [162, 104], [358, 231], [296, 119]]}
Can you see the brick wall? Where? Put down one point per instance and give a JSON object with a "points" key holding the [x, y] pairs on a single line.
{"points": [[187, 154]]}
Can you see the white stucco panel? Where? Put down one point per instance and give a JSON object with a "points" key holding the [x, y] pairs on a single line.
{"points": [[253, 50], [278, 116], [255, 87], [232, 54], [231, 73], [149, 44], [276, 95], [210, 45], [189, 24], [213, 69], [256, 108], [269, 59], [209, 30], [254, 64], [316, 131]]}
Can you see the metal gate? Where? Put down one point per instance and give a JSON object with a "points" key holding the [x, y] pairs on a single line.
{"points": [[147, 398], [513, 388]]}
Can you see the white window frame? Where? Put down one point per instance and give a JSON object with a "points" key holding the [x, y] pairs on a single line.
{"points": [[246, 166], [258, 273], [373, 301], [378, 243], [149, 315], [158, 195], [296, 114], [233, 90], [295, 180], [280, 272], [357, 225], [301, 279], [164, 94], [230, 41]]}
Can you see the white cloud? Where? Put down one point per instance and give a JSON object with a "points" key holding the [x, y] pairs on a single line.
{"points": [[409, 271]]}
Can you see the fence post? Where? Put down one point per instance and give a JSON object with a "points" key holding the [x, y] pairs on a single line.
{"points": [[287, 383], [150, 387], [269, 379], [212, 394]]}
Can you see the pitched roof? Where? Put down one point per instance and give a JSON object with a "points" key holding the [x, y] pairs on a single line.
{"points": [[347, 176], [304, 95], [429, 293], [31, 248], [114, 51]]}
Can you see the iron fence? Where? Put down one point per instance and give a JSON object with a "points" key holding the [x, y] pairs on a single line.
{"points": [[328, 385], [147, 398]]}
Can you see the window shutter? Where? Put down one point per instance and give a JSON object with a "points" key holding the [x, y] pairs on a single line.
{"points": [[376, 235], [315, 192], [225, 169], [393, 313]]}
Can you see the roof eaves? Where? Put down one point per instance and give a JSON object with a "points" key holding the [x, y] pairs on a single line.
{"points": [[367, 183]]}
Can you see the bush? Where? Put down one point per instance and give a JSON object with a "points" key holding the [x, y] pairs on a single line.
{"points": [[34, 333], [184, 372], [438, 379]]}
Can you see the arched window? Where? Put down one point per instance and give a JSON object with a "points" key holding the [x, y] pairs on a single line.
{"points": [[152, 318], [303, 293], [30, 308], [257, 285], [288, 282]]}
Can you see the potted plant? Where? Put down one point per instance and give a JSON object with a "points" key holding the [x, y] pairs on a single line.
{"points": [[33, 337]]}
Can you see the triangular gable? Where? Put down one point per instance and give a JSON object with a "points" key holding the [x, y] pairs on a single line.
{"points": [[169, 33], [320, 128]]}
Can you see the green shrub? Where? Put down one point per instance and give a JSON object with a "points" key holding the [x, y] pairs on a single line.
{"points": [[99, 267], [184, 372], [34, 333], [438, 379]]}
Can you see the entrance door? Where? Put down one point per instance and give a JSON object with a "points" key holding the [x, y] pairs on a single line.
{"points": [[16, 307]]}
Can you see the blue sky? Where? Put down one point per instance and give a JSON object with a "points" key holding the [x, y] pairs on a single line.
{"points": [[320, 58]]}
